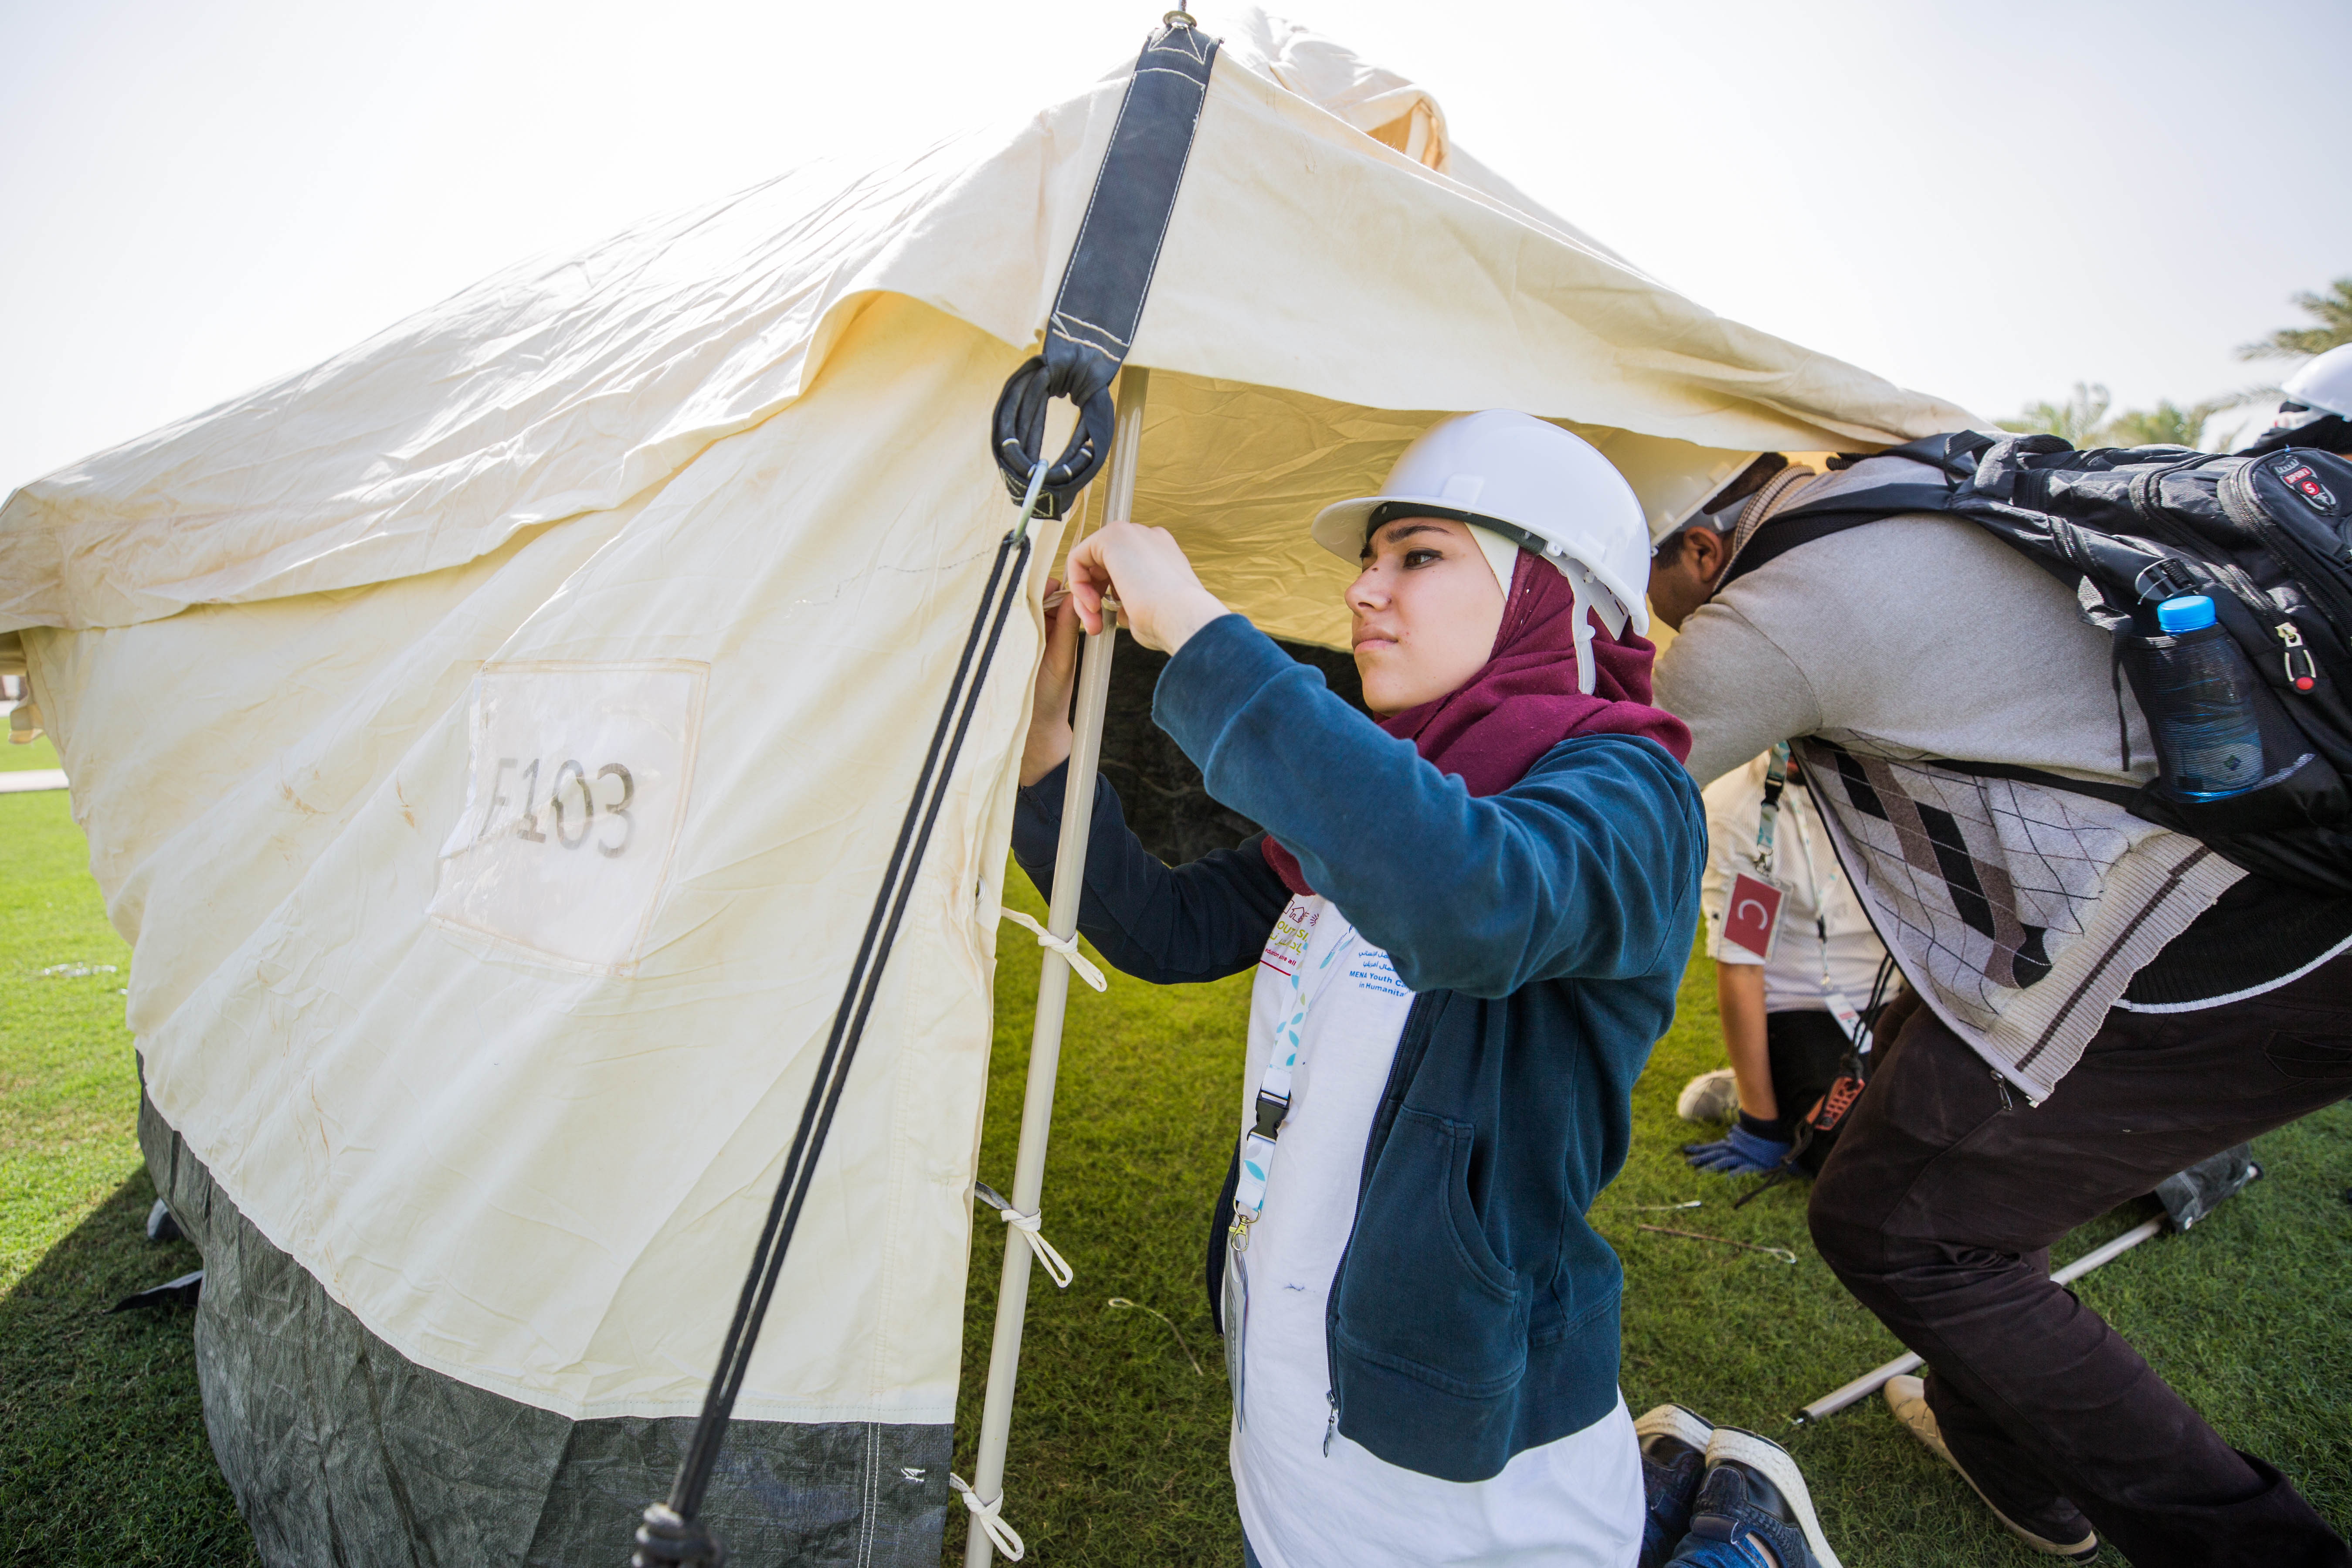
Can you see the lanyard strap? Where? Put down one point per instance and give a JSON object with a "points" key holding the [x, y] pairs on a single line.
{"points": [[1841, 1007], [1273, 1102], [1767, 821], [1776, 779]]}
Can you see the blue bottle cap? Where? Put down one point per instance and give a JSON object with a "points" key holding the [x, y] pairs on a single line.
{"points": [[2188, 612]]}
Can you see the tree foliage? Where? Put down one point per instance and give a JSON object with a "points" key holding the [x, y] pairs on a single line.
{"points": [[2078, 419], [2166, 425], [2083, 420], [2333, 312]]}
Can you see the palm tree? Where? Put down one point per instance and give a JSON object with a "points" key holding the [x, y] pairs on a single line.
{"points": [[2077, 419], [2166, 425], [2332, 311]]}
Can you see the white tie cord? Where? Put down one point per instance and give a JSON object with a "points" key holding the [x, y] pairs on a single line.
{"points": [[1006, 1539], [1057, 1268], [1066, 946], [1579, 606]]}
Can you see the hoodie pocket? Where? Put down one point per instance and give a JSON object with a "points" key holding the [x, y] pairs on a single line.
{"points": [[1422, 1291]]}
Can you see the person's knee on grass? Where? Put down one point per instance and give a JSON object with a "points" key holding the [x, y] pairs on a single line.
{"points": [[2057, 940]]}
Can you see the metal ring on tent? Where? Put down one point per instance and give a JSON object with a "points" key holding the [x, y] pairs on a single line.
{"points": [[1100, 304], [1020, 431]]}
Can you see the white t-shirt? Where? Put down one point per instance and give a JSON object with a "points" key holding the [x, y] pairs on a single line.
{"points": [[1818, 894], [1572, 1503]]}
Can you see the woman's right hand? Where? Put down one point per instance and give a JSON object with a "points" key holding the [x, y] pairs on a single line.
{"points": [[1048, 746]]}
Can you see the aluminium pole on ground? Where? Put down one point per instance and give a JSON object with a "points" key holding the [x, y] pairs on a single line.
{"points": [[1053, 993]]}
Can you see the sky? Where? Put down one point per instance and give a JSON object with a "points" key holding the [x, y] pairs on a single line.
{"points": [[1987, 203]]}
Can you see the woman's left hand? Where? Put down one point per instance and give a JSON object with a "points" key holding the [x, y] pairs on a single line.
{"points": [[1145, 570]]}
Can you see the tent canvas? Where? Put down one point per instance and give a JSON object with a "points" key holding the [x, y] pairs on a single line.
{"points": [[489, 741]]}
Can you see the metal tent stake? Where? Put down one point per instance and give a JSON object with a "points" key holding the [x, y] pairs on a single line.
{"points": [[1054, 988]]}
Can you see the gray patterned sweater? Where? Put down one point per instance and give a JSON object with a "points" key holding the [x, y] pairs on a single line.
{"points": [[2020, 913]]}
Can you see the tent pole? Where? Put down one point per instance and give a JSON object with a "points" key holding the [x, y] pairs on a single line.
{"points": [[1054, 987]]}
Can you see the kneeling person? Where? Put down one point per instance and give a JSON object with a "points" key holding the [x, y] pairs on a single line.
{"points": [[1797, 969]]}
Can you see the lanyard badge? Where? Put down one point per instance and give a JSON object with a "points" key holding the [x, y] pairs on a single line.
{"points": [[1751, 915], [1767, 816]]}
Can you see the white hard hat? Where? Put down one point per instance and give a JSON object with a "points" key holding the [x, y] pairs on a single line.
{"points": [[1536, 485], [2325, 383], [1675, 481]]}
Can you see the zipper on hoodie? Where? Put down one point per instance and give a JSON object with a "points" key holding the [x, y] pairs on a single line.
{"points": [[1412, 1044]]}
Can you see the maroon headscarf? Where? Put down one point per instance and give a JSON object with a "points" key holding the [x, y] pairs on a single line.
{"points": [[1524, 701]]}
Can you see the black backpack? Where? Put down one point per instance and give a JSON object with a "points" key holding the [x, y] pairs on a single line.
{"points": [[2267, 536]]}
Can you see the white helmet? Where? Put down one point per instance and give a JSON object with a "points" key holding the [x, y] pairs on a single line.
{"points": [[1539, 489], [2323, 382], [1677, 481]]}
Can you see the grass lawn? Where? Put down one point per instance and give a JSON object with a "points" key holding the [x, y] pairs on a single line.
{"points": [[1118, 1451], [1119, 1443], [102, 1450]]}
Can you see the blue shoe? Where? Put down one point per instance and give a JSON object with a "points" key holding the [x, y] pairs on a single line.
{"points": [[1753, 1510], [1673, 1461]]}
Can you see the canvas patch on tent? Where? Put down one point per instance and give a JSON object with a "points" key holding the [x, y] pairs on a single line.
{"points": [[577, 782]]}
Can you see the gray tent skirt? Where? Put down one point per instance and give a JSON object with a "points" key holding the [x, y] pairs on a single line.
{"points": [[340, 1449]]}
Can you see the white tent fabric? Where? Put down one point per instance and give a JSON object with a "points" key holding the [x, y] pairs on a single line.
{"points": [[503, 1046]]}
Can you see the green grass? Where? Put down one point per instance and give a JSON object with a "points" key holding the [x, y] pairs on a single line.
{"points": [[1118, 1446], [37, 754], [102, 1452], [1118, 1450]]}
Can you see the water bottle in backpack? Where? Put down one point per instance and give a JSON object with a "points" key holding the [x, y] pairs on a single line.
{"points": [[2202, 703]]}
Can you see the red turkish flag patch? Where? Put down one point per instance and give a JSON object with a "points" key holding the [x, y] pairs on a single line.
{"points": [[1751, 915]]}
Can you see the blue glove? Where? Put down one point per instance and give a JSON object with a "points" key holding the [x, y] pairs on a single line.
{"points": [[1739, 1152]]}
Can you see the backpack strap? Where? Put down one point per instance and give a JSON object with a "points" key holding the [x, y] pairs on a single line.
{"points": [[1918, 476], [1786, 532]]}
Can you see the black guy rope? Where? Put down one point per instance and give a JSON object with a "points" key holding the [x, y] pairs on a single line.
{"points": [[673, 1531], [1092, 325]]}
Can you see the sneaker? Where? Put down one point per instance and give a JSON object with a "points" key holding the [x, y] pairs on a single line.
{"points": [[1709, 1097], [1673, 1426], [1673, 1461], [1753, 1507], [2056, 1529]]}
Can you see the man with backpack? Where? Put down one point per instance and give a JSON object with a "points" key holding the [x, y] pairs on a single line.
{"points": [[1943, 634]]}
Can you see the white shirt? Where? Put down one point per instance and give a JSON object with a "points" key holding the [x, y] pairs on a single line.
{"points": [[1572, 1503], [1818, 894]]}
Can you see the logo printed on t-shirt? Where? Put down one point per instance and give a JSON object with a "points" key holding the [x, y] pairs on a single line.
{"points": [[1288, 945], [1376, 973]]}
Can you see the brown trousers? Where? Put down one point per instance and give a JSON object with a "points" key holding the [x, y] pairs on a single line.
{"points": [[1937, 1210]]}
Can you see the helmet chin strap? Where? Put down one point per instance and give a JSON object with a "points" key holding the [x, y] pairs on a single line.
{"points": [[1585, 677], [1590, 597]]}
